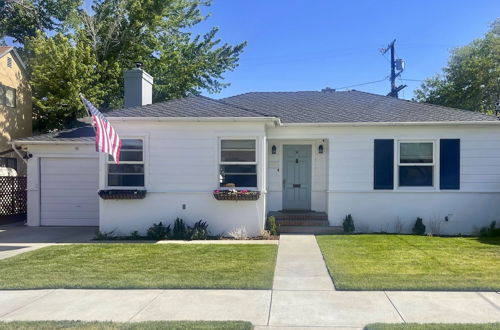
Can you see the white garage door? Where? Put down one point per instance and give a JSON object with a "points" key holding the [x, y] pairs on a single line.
{"points": [[69, 191]]}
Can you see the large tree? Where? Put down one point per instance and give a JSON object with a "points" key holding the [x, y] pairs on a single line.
{"points": [[61, 69], [472, 78], [92, 53], [21, 19]]}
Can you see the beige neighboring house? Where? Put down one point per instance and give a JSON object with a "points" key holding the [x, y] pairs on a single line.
{"points": [[15, 109]]}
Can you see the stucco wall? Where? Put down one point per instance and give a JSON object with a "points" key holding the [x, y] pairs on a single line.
{"points": [[350, 184], [15, 122], [181, 172]]}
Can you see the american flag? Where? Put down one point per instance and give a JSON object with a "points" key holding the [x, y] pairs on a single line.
{"points": [[106, 138]]}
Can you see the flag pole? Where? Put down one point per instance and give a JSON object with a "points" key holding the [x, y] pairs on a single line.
{"points": [[88, 111]]}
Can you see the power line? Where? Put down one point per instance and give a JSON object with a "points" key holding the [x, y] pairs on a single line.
{"points": [[366, 83], [411, 79]]}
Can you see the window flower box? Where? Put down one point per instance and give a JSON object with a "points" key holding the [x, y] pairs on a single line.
{"points": [[236, 195], [122, 194]]}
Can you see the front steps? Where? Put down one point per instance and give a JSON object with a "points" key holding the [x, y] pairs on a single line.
{"points": [[304, 222]]}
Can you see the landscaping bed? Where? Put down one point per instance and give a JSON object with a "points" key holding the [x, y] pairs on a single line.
{"points": [[409, 262], [153, 325], [153, 266]]}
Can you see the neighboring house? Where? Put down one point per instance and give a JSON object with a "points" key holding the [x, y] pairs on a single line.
{"points": [[15, 109], [384, 160]]}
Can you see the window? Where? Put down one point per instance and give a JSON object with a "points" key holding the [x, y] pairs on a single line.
{"points": [[8, 162], [9, 62], [238, 165], [130, 171], [10, 97], [416, 164], [7, 96]]}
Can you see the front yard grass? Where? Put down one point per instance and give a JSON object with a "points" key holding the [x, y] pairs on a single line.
{"points": [[153, 325], [407, 262], [141, 266]]}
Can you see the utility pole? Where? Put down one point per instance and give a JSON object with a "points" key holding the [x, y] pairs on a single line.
{"points": [[395, 64]]}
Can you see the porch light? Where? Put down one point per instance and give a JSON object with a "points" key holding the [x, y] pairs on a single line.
{"points": [[273, 150], [320, 149]]}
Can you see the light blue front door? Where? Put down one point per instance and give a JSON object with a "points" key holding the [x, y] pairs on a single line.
{"points": [[296, 177]]}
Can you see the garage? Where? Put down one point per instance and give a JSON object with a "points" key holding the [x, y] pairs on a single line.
{"points": [[68, 191], [63, 177]]}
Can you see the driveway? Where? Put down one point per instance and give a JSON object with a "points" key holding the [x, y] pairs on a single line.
{"points": [[16, 238]]}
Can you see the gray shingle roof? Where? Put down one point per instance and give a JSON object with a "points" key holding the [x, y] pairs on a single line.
{"points": [[290, 107], [348, 106], [191, 106], [78, 134]]}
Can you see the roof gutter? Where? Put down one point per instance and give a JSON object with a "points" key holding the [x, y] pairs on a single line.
{"points": [[26, 142], [196, 119], [371, 124]]}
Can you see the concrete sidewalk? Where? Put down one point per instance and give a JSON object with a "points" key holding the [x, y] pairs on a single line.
{"points": [[283, 308], [302, 296]]}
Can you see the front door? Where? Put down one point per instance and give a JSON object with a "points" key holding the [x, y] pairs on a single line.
{"points": [[296, 177]]}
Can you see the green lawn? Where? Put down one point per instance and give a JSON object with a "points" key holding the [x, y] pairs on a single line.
{"points": [[433, 326], [157, 325], [406, 262], [141, 266]]}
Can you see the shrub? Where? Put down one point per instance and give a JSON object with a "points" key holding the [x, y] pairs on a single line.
{"points": [[158, 231], [180, 230], [135, 235], [239, 233], [272, 226], [419, 227], [348, 224], [104, 236], [199, 231], [490, 231]]}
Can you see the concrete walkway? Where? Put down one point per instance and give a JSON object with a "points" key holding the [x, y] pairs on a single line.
{"points": [[302, 296]]}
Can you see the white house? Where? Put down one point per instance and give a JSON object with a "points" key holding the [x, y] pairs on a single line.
{"points": [[318, 155]]}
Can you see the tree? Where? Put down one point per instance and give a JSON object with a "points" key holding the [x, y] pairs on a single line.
{"points": [[472, 78], [21, 19], [109, 39], [156, 33], [61, 68]]}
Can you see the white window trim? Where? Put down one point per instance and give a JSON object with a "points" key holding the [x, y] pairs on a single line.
{"points": [[143, 162], [220, 162], [433, 164]]}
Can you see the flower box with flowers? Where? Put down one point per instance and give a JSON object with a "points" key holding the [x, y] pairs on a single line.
{"points": [[236, 195]]}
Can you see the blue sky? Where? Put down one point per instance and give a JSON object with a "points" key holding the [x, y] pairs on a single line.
{"points": [[308, 45]]}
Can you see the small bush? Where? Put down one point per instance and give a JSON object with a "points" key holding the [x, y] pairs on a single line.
{"points": [[348, 224], [271, 226], [199, 231], [239, 233], [180, 230], [419, 227], [490, 231], [104, 236], [158, 231], [135, 235]]}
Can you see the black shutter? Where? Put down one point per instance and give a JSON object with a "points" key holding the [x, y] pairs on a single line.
{"points": [[449, 168], [383, 165]]}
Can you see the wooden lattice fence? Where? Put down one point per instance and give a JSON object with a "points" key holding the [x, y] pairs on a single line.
{"points": [[12, 195]]}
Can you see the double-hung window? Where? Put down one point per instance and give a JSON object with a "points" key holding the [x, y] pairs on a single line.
{"points": [[7, 96], [238, 163], [416, 164], [130, 171]]}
